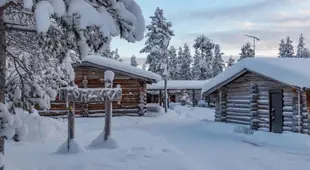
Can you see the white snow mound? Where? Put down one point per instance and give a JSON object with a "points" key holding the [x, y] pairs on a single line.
{"points": [[41, 129], [74, 148], [99, 143]]}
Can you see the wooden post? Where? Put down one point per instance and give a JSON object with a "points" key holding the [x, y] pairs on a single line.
{"points": [[108, 83], [193, 97], [223, 107], [71, 122], [299, 109], [296, 123], [85, 111], [71, 117], [108, 115], [160, 97], [2, 70], [142, 101], [166, 96], [254, 107], [218, 107]]}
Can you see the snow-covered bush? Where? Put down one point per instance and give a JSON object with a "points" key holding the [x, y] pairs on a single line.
{"points": [[11, 125], [185, 99]]}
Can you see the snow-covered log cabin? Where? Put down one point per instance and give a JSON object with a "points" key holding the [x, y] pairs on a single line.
{"points": [[175, 88], [90, 74], [268, 94]]}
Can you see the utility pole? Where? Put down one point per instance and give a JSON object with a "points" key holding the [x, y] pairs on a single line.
{"points": [[254, 39]]}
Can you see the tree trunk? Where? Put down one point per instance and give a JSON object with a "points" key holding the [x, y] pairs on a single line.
{"points": [[2, 70], [108, 115]]}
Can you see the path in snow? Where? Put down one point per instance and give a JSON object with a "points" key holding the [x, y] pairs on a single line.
{"points": [[211, 149], [176, 141]]}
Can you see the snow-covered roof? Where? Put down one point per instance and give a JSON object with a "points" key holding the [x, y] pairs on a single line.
{"points": [[125, 68], [177, 84], [290, 71]]}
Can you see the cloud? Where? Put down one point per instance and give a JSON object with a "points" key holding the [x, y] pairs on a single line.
{"points": [[255, 8]]}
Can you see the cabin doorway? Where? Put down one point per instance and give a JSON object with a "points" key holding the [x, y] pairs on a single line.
{"points": [[173, 98], [275, 111]]}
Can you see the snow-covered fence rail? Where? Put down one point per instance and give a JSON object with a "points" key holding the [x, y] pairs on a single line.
{"points": [[92, 94]]}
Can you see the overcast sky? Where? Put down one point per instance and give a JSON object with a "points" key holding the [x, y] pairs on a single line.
{"points": [[226, 22]]}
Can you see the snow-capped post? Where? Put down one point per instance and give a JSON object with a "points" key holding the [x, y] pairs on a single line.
{"points": [[108, 83]]}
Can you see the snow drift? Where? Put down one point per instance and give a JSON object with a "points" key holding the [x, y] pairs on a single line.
{"points": [[42, 129]]}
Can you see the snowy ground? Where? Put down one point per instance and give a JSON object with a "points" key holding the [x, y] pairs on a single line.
{"points": [[183, 139]]}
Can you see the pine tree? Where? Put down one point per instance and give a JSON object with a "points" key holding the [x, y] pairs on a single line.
{"points": [[196, 70], [286, 49], [289, 48], [230, 62], [133, 61], [300, 47], [157, 43], [107, 53], [172, 63], [306, 53], [205, 46], [178, 75], [116, 56], [247, 51], [281, 49], [218, 63], [185, 60]]}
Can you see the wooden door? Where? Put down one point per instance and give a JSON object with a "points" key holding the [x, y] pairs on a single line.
{"points": [[275, 111]]}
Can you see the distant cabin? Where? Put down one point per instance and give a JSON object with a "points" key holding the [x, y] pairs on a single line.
{"points": [[175, 88], [90, 74], [267, 94]]}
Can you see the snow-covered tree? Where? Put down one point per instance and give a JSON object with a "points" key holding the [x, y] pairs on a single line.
{"points": [[230, 62], [247, 51], [305, 53], [144, 66], [205, 46], [281, 49], [286, 50], [116, 56], [185, 99], [196, 70], [218, 63], [178, 68], [289, 48], [300, 47], [184, 63], [172, 63], [133, 61], [83, 26], [107, 53], [157, 42]]}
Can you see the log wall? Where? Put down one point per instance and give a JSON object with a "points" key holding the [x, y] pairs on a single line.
{"points": [[132, 102], [246, 101]]}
